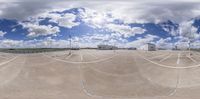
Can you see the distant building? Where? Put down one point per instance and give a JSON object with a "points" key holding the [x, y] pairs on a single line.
{"points": [[149, 47], [132, 48], [106, 47], [175, 48]]}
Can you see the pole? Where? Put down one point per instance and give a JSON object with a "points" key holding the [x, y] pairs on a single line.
{"points": [[191, 36], [190, 48], [70, 43]]}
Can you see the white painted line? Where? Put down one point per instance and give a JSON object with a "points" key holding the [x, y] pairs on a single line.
{"points": [[73, 62], [196, 54], [165, 58], [14, 73], [4, 57], [178, 59], [81, 57], [69, 56], [177, 83], [168, 66], [111, 74], [191, 59], [158, 56], [8, 60], [92, 55], [82, 83]]}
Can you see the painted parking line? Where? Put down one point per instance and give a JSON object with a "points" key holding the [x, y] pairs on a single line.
{"points": [[74, 62], [69, 56], [81, 56], [158, 56], [178, 59], [9, 60], [191, 59], [92, 55], [196, 54], [4, 57], [168, 56], [169, 66], [177, 83]]}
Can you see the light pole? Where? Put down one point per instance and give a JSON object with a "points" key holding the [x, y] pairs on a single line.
{"points": [[189, 47], [70, 43], [191, 36], [115, 47]]}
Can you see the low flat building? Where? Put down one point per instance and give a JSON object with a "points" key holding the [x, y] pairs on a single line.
{"points": [[149, 47]]}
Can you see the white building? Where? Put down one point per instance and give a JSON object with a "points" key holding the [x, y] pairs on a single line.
{"points": [[149, 47], [106, 47]]}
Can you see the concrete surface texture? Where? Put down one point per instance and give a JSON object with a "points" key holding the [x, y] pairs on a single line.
{"points": [[100, 74]]}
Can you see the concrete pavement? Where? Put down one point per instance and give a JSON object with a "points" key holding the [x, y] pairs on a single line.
{"points": [[95, 74]]}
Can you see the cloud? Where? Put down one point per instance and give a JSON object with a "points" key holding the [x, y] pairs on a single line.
{"points": [[64, 20], [174, 11], [36, 30], [92, 40], [195, 44], [140, 42], [170, 27], [2, 33], [188, 30], [8, 43], [101, 14], [144, 11], [165, 43], [125, 30], [22, 10], [94, 18], [105, 20], [127, 10], [45, 43]]}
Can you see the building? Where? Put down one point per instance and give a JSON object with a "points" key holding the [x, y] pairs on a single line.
{"points": [[149, 47], [175, 48], [106, 47], [132, 48]]}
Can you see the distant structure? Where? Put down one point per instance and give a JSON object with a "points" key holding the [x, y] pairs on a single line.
{"points": [[106, 47], [149, 47], [75, 46], [175, 48], [132, 48]]}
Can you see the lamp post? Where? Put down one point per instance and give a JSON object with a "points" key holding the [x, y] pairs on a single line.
{"points": [[70, 44], [191, 36]]}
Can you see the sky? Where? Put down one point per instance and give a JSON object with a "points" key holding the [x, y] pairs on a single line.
{"points": [[88, 23]]}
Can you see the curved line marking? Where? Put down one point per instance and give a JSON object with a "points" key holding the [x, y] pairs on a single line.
{"points": [[96, 61], [168, 66]]}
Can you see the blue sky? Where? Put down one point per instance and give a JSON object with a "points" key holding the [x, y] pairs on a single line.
{"points": [[131, 23]]}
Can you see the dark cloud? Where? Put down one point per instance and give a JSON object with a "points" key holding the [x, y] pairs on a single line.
{"points": [[176, 11]]}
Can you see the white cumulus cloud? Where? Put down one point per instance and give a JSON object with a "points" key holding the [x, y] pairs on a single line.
{"points": [[188, 30], [140, 42], [2, 33], [64, 20], [125, 30], [36, 30]]}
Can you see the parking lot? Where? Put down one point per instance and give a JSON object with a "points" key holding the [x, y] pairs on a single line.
{"points": [[100, 74]]}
